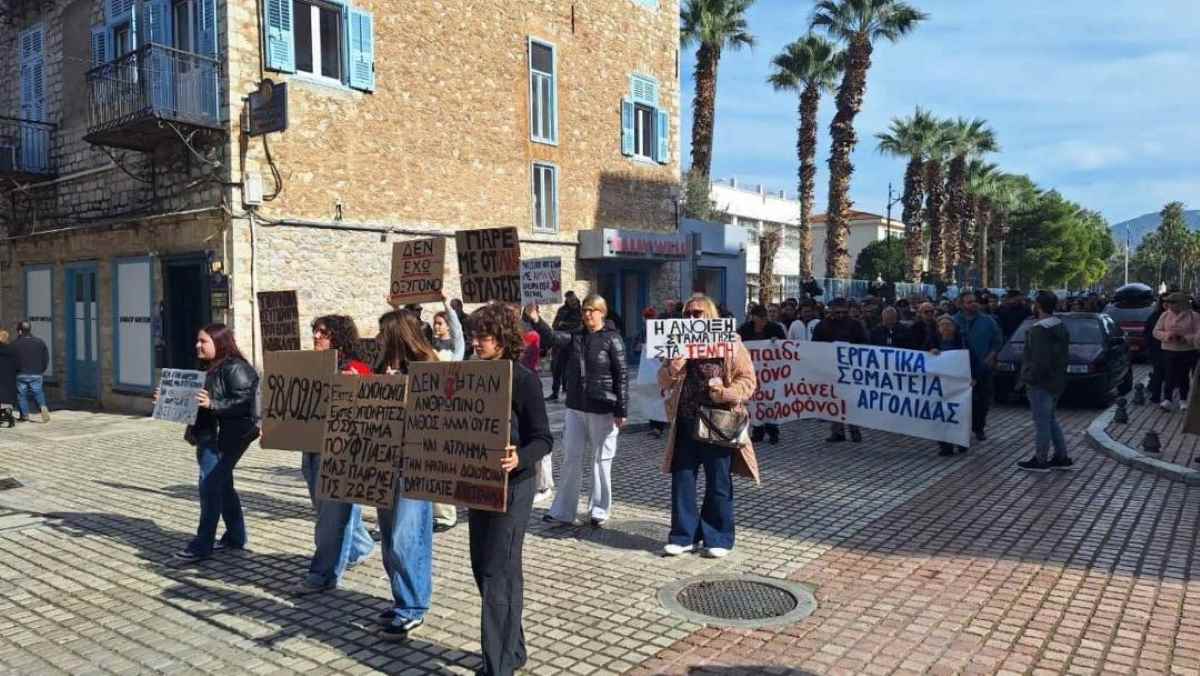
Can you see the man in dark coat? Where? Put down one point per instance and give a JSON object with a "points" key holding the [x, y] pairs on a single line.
{"points": [[839, 327], [33, 358], [1044, 375], [568, 319], [760, 327], [890, 332]]}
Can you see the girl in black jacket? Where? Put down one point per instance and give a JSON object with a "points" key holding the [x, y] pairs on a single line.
{"points": [[224, 428]]}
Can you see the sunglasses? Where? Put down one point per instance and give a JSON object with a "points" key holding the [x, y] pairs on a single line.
{"points": [[696, 314]]}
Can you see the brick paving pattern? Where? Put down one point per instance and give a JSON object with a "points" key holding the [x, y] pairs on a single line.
{"points": [[920, 564], [1177, 448]]}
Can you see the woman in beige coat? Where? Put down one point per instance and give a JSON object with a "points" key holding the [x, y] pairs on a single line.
{"points": [[726, 383]]}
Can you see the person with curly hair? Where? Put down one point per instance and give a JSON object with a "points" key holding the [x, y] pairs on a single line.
{"points": [[497, 538]]}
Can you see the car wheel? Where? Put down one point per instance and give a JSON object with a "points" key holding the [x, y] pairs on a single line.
{"points": [[1126, 383]]}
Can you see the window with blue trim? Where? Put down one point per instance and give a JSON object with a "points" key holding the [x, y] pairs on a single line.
{"points": [[545, 197], [543, 92], [645, 126], [326, 39]]}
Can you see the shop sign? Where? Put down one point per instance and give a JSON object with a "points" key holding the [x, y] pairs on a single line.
{"points": [[613, 243]]}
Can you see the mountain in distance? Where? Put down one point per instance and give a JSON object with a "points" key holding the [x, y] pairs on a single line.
{"points": [[1142, 225]]}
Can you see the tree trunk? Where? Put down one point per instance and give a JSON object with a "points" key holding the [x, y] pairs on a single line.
{"points": [[806, 152], [704, 108], [983, 220], [935, 198], [955, 213], [969, 243], [841, 169], [768, 247], [914, 188]]}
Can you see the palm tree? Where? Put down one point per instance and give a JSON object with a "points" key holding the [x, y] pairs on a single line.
{"points": [[981, 180], [768, 249], [712, 25], [909, 137], [936, 153], [858, 23], [1007, 193], [809, 66], [970, 139]]}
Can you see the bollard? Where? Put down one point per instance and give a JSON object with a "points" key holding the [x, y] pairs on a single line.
{"points": [[1121, 416], [1139, 394], [1151, 444]]}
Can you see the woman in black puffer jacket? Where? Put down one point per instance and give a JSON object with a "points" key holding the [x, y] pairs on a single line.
{"points": [[225, 426], [597, 384]]}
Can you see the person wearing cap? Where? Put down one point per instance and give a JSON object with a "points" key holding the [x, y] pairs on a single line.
{"points": [[1179, 330]]}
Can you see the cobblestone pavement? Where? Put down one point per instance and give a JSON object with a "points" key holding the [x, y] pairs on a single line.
{"points": [[919, 563], [1177, 448]]}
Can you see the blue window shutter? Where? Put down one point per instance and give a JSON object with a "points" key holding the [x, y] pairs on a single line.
{"points": [[627, 133], [281, 49], [362, 50], [663, 131], [100, 53], [206, 36], [156, 23], [32, 73], [644, 90]]}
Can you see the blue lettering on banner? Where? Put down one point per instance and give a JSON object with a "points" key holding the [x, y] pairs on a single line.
{"points": [[881, 358], [909, 407]]}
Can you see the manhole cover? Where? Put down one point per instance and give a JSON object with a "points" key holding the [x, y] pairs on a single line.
{"points": [[8, 483], [739, 600]]}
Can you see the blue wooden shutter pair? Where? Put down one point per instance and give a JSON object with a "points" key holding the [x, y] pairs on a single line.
{"points": [[206, 34], [644, 90], [281, 50], [101, 49], [359, 35], [31, 44]]}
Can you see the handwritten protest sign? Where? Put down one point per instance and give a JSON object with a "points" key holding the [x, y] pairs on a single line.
{"points": [[279, 318], [296, 390], [885, 388], [364, 437], [418, 266], [490, 264], [541, 281], [369, 352], [457, 430], [690, 338], [177, 390]]}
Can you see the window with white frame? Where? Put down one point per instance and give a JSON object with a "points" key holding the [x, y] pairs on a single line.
{"points": [[318, 31], [645, 141], [545, 197], [645, 125], [543, 92]]}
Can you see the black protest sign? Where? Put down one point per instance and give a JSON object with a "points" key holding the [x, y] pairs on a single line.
{"points": [[295, 399], [418, 266], [458, 418], [489, 263], [364, 435], [279, 319]]}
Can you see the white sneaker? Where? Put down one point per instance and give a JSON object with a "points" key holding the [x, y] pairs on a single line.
{"points": [[542, 497], [1166, 405], [1183, 406], [676, 550], [716, 552]]}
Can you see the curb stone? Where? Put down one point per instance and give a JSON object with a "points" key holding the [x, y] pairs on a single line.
{"points": [[1099, 438]]}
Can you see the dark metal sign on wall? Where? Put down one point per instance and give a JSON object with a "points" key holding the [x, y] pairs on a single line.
{"points": [[268, 108]]}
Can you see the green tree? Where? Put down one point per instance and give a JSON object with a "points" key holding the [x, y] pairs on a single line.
{"points": [[936, 153], [884, 258], [1057, 243], [909, 138], [859, 24], [809, 66], [713, 26], [969, 139]]}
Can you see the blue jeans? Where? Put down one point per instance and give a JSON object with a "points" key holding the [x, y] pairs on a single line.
{"points": [[1045, 425], [27, 385], [407, 542], [218, 500], [341, 538], [713, 524]]}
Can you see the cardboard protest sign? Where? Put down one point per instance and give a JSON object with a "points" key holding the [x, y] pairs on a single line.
{"points": [[490, 264], [458, 417], [295, 398], [418, 266], [691, 338], [369, 351], [885, 388], [364, 439], [279, 319], [177, 390], [541, 281]]}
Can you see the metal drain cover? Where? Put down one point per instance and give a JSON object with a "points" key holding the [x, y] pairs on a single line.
{"points": [[744, 601]]}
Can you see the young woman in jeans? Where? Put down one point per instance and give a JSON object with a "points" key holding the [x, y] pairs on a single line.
{"points": [[224, 427], [727, 383]]}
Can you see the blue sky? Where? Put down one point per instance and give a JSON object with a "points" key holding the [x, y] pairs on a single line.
{"points": [[1100, 101]]}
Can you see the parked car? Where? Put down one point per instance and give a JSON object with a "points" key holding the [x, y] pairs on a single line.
{"points": [[1131, 306], [1099, 363]]}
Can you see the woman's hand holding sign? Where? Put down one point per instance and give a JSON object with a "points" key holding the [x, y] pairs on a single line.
{"points": [[509, 462]]}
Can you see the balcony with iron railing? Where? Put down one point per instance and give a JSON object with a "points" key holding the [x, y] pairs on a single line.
{"points": [[25, 147], [154, 95]]}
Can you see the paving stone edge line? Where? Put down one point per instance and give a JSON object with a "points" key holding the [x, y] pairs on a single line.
{"points": [[1099, 438]]}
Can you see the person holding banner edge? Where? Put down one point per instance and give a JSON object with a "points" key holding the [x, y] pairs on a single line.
{"points": [[761, 328], [983, 335], [949, 339], [839, 327], [724, 383]]}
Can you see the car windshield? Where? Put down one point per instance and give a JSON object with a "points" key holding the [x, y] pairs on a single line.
{"points": [[1083, 331]]}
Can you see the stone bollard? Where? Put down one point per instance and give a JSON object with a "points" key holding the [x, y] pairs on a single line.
{"points": [[1139, 394], [1151, 444], [1121, 416]]}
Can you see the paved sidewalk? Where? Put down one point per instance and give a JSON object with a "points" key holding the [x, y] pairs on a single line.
{"points": [[1177, 448]]}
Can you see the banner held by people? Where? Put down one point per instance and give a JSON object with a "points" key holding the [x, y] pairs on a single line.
{"points": [[364, 437], [295, 399], [541, 281], [279, 320], [691, 338], [418, 270], [458, 418], [177, 390], [489, 262], [904, 391]]}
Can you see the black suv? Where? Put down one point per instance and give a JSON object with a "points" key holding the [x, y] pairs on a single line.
{"points": [[1099, 363]]}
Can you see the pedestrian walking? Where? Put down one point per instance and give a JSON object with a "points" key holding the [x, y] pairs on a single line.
{"points": [[1179, 330], [1154, 352], [226, 423], [8, 381], [450, 345], [839, 327], [568, 318], [983, 335], [948, 340], [1044, 375], [715, 392], [498, 538], [33, 358], [759, 328], [596, 381]]}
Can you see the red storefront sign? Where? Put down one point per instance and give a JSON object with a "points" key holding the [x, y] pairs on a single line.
{"points": [[647, 245]]}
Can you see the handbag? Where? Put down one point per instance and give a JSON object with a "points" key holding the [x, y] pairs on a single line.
{"points": [[722, 427]]}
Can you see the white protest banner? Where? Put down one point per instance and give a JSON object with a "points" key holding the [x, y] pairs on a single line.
{"points": [[541, 281], [177, 390], [884, 388], [690, 338]]}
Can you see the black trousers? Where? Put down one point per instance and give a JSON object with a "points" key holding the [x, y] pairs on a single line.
{"points": [[496, 543], [558, 366], [981, 400], [1178, 367], [1158, 376]]}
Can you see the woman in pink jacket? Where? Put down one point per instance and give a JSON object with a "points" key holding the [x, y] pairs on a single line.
{"points": [[1179, 330]]}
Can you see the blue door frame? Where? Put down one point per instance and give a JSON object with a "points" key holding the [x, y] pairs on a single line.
{"points": [[613, 280], [83, 330]]}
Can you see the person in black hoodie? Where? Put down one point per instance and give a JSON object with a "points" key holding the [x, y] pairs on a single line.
{"points": [[839, 327], [226, 424], [760, 328], [596, 381], [1012, 313], [498, 538], [568, 318], [1158, 376]]}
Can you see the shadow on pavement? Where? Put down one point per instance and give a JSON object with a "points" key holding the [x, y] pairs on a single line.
{"points": [[746, 670], [253, 502]]}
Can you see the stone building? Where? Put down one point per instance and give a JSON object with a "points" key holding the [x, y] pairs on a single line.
{"points": [[139, 204]]}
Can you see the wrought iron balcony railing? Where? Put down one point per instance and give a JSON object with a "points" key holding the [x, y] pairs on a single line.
{"points": [[25, 147]]}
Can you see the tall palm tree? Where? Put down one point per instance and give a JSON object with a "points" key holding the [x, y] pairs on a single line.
{"points": [[810, 66], [981, 179], [858, 23], [970, 139], [909, 137], [712, 25], [936, 153]]}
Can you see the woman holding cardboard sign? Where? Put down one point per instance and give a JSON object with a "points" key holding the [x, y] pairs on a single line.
{"points": [[709, 429], [497, 538]]}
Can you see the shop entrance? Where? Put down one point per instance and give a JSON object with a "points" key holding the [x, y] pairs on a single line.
{"points": [[626, 293], [186, 307], [83, 313]]}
